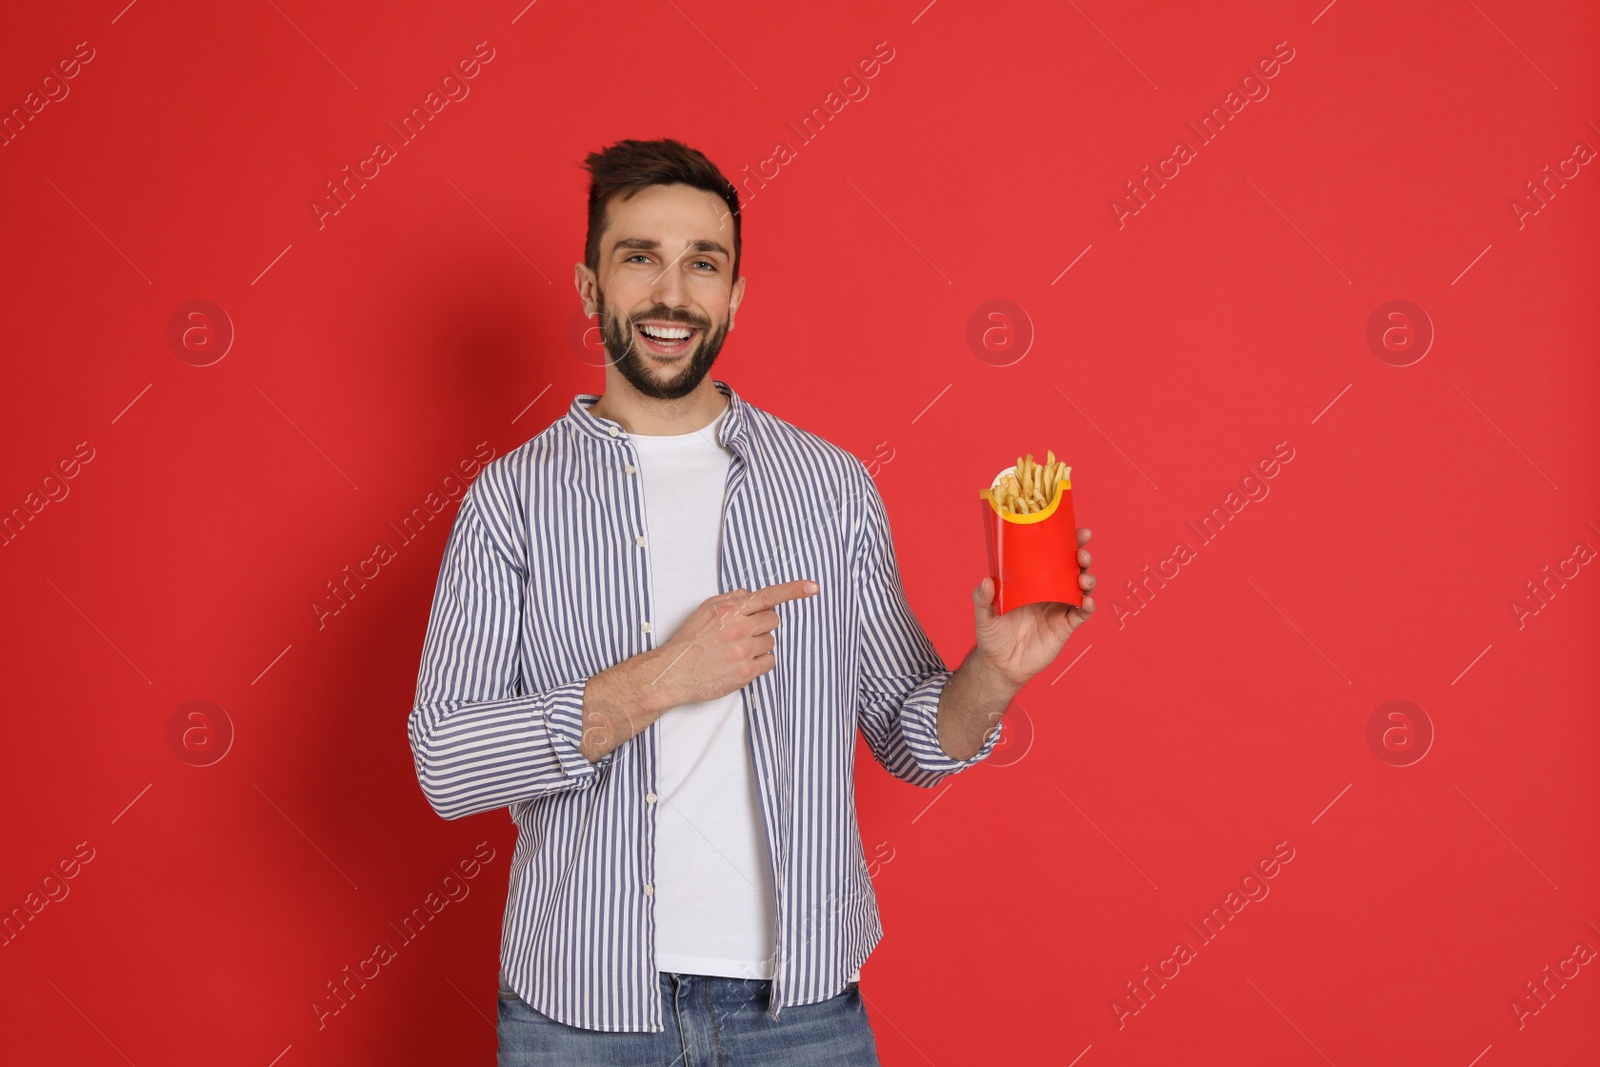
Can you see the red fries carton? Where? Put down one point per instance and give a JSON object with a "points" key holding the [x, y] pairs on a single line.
{"points": [[1033, 557]]}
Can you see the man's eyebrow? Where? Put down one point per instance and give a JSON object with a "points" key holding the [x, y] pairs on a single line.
{"points": [[647, 244]]}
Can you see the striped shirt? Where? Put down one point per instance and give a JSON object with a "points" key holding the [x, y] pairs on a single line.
{"points": [[545, 582]]}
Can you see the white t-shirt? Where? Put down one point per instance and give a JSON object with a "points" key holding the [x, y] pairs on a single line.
{"points": [[715, 904]]}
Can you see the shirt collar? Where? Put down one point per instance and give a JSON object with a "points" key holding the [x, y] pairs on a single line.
{"points": [[731, 430]]}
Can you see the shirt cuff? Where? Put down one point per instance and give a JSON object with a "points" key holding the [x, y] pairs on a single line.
{"points": [[563, 718], [919, 719]]}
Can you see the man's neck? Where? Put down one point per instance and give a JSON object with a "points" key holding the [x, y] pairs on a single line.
{"points": [[654, 417]]}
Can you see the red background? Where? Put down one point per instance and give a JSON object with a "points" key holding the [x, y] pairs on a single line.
{"points": [[1132, 792]]}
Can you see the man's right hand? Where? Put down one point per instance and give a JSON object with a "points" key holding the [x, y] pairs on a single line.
{"points": [[723, 645]]}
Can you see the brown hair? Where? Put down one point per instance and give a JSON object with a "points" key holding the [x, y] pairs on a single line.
{"points": [[628, 166]]}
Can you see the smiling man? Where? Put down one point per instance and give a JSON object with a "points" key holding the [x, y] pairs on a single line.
{"points": [[604, 658]]}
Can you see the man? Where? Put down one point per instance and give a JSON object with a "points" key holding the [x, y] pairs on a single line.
{"points": [[688, 884]]}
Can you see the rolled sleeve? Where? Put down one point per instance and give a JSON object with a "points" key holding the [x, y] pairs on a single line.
{"points": [[564, 727], [919, 720]]}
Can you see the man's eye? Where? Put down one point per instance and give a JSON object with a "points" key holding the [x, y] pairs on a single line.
{"points": [[707, 262], [636, 255]]}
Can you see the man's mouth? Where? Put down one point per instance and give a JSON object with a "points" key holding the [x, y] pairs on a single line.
{"points": [[665, 340]]}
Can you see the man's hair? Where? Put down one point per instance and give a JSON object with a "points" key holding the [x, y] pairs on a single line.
{"points": [[628, 166]]}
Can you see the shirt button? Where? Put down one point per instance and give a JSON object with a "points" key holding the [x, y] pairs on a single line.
{"points": [[639, 540], [649, 798], [615, 431], [630, 468], [649, 890], [646, 627]]}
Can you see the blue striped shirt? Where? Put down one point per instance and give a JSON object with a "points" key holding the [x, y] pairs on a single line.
{"points": [[544, 583]]}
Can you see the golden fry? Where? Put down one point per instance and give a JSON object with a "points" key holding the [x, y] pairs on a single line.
{"points": [[1031, 486]]}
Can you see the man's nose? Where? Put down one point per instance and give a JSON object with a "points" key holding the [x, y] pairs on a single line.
{"points": [[669, 287]]}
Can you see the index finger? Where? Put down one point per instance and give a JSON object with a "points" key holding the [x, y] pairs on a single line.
{"points": [[772, 595]]}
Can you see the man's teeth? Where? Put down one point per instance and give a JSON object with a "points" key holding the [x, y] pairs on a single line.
{"points": [[664, 333]]}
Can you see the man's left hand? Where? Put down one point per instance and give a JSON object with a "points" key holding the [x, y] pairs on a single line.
{"points": [[1027, 639]]}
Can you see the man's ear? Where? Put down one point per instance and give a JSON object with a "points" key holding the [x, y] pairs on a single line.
{"points": [[734, 298], [583, 279]]}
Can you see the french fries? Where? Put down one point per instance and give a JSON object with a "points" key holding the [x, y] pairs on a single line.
{"points": [[1029, 487]]}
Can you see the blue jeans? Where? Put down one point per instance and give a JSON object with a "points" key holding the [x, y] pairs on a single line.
{"points": [[710, 1021]]}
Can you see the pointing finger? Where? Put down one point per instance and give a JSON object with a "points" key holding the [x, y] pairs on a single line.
{"points": [[772, 595]]}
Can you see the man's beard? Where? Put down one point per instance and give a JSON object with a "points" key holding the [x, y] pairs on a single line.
{"points": [[626, 352]]}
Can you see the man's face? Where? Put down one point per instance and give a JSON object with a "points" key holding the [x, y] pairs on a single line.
{"points": [[666, 262]]}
